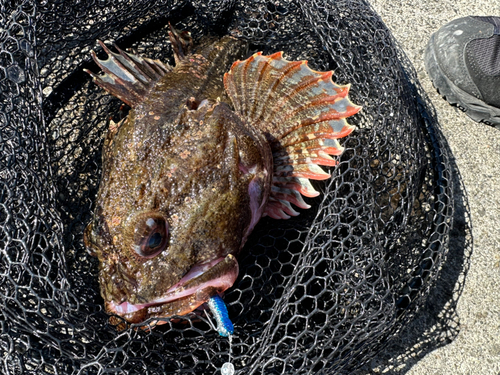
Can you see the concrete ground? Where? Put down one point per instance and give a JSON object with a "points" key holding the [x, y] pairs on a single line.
{"points": [[472, 318]]}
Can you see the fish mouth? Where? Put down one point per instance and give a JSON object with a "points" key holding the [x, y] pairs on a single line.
{"points": [[195, 288]]}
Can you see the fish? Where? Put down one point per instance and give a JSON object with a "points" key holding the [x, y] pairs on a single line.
{"points": [[209, 147]]}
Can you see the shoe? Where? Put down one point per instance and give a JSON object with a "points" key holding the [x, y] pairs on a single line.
{"points": [[462, 59]]}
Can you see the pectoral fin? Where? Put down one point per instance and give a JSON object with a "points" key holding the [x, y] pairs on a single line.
{"points": [[302, 113]]}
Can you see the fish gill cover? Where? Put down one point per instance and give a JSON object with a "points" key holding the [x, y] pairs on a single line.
{"points": [[322, 292]]}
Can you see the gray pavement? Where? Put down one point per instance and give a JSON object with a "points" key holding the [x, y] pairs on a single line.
{"points": [[474, 323]]}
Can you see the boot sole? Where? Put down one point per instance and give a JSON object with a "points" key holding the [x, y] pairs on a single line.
{"points": [[473, 107]]}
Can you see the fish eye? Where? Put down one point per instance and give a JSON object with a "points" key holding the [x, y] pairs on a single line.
{"points": [[151, 236], [155, 240]]}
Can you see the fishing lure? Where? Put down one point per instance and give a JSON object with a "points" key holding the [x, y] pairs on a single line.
{"points": [[219, 310]]}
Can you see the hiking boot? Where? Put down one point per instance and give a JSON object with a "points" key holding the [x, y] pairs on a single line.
{"points": [[462, 59]]}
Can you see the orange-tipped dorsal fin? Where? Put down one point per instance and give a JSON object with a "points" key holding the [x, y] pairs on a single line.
{"points": [[302, 113]]}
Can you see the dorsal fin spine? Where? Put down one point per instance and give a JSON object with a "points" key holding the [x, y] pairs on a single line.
{"points": [[152, 69], [126, 76], [123, 68]]}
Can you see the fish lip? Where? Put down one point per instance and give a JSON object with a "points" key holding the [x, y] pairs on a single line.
{"points": [[183, 288]]}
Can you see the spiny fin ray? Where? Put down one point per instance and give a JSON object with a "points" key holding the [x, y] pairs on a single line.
{"points": [[127, 76], [302, 112], [181, 42]]}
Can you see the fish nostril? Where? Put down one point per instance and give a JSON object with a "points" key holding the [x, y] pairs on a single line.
{"points": [[192, 103], [119, 284]]}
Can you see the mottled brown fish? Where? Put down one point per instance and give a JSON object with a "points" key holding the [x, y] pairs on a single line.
{"points": [[200, 158]]}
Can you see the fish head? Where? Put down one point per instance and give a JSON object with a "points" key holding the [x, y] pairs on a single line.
{"points": [[177, 201]]}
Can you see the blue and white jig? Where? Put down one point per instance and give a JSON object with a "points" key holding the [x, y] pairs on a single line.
{"points": [[224, 327], [219, 310]]}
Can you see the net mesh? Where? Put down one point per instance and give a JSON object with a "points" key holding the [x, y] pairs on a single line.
{"points": [[319, 293]]}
